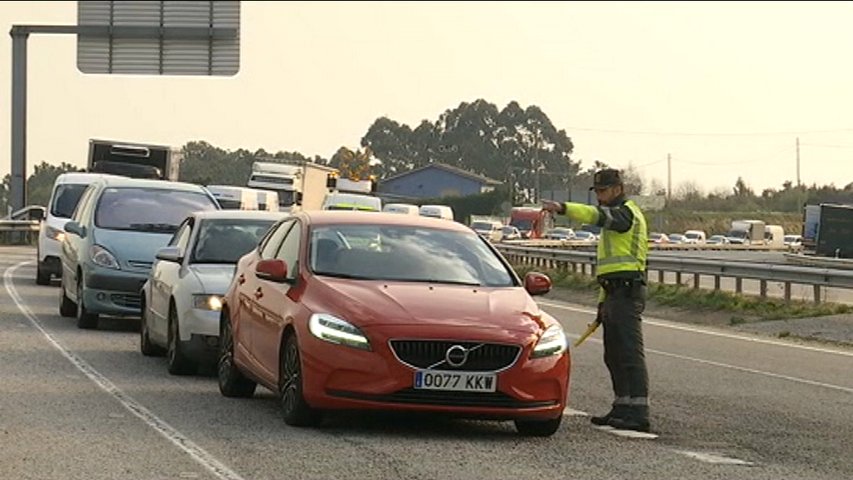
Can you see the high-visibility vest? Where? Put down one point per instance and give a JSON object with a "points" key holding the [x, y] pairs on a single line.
{"points": [[617, 252], [624, 252]]}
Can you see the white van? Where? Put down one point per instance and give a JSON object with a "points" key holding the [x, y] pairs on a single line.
{"points": [[774, 236], [67, 190], [231, 197], [437, 211], [405, 208], [694, 237], [352, 201]]}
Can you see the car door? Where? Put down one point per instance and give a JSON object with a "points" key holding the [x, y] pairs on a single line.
{"points": [[249, 290], [164, 275], [276, 304], [74, 244]]}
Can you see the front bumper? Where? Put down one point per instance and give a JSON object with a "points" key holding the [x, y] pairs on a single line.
{"points": [[340, 377], [113, 292]]}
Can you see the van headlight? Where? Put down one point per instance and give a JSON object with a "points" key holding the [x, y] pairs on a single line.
{"points": [[54, 233], [102, 257], [552, 342], [335, 330]]}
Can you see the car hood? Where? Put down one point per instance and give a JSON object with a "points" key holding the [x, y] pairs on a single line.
{"points": [[377, 303], [214, 278], [134, 250]]}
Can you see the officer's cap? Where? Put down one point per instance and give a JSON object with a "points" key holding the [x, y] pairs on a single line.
{"points": [[607, 177]]}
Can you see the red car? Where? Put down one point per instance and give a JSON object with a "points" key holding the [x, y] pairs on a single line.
{"points": [[355, 310]]}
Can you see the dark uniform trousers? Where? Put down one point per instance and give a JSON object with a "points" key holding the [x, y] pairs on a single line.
{"points": [[624, 303]]}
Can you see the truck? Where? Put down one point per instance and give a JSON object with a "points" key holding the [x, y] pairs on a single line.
{"points": [[348, 194], [746, 232], [531, 221], [137, 160], [811, 224], [300, 185], [835, 231]]}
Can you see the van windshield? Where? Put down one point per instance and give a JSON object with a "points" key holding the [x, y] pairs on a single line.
{"points": [[148, 209], [65, 199]]}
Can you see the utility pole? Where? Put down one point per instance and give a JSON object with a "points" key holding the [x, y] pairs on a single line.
{"points": [[668, 176], [798, 161]]}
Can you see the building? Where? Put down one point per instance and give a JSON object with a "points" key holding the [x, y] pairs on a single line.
{"points": [[436, 180]]}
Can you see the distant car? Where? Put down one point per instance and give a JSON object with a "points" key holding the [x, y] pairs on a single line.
{"points": [[793, 240], [510, 233], [183, 295], [676, 238], [694, 237], [426, 317], [404, 208], [490, 230], [111, 241], [586, 236], [718, 240], [560, 233], [658, 238]]}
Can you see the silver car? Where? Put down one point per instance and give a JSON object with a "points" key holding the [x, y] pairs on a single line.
{"points": [[182, 297]]}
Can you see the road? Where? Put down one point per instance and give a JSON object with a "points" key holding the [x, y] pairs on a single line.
{"points": [[87, 405]]}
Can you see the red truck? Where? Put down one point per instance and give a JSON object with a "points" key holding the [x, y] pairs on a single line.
{"points": [[532, 222]]}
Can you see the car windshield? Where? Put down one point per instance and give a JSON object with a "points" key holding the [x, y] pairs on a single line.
{"points": [[407, 254], [692, 236], [508, 230], [737, 234], [148, 209], [225, 240], [65, 199], [521, 223], [583, 234], [482, 226]]}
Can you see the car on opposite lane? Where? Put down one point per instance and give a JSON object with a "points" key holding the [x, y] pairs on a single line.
{"points": [[340, 310]]}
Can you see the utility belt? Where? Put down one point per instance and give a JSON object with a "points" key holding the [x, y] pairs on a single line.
{"points": [[611, 285]]}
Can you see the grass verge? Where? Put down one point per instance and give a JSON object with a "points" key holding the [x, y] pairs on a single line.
{"points": [[756, 308]]}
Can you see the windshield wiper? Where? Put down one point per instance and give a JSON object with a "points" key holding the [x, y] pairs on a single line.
{"points": [[433, 280], [154, 227]]}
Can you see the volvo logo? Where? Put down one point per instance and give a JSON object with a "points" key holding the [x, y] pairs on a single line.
{"points": [[456, 356]]}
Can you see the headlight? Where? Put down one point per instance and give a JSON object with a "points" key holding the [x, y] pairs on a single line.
{"points": [[553, 342], [333, 329], [207, 302], [54, 233], [101, 256]]}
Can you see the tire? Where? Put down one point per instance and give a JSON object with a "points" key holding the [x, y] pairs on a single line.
{"points": [[178, 363], [232, 383], [538, 428], [145, 346], [85, 319], [294, 409], [67, 308], [42, 277]]}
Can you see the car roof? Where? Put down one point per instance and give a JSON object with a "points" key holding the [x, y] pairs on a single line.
{"points": [[333, 217], [81, 177], [239, 214], [127, 182]]}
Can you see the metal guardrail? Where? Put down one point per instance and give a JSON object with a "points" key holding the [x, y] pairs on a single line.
{"points": [[19, 231], [583, 244], [581, 262]]}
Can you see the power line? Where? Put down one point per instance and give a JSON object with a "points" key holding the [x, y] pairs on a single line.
{"points": [[707, 134]]}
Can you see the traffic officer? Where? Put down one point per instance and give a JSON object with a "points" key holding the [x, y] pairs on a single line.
{"points": [[621, 273]]}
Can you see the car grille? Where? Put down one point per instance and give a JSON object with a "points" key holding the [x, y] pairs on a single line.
{"points": [[446, 399], [482, 357], [128, 300], [140, 264]]}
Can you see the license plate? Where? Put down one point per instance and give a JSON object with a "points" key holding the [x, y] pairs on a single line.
{"points": [[455, 381]]}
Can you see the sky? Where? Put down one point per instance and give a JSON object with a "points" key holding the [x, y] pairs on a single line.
{"points": [[724, 88]]}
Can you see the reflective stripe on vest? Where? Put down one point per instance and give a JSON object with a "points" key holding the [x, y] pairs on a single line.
{"points": [[624, 252]]}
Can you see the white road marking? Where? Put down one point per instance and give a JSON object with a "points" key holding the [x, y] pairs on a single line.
{"points": [[665, 324], [626, 433], [197, 453], [571, 412], [714, 458], [733, 367]]}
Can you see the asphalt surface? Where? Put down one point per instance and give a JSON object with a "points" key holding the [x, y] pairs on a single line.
{"points": [[78, 404]]}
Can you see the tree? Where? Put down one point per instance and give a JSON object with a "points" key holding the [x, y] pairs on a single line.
{"points": [[742, 189], [688, 190], [40, 183], [632, 180]]}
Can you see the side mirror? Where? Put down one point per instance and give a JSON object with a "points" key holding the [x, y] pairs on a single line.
{"points": [[170, 254], [75, 228], [537, 283], [274, 270], [37, 214]]}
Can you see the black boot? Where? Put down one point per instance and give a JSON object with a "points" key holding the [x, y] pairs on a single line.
{"points": [[637, 419], [617, 411]]}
